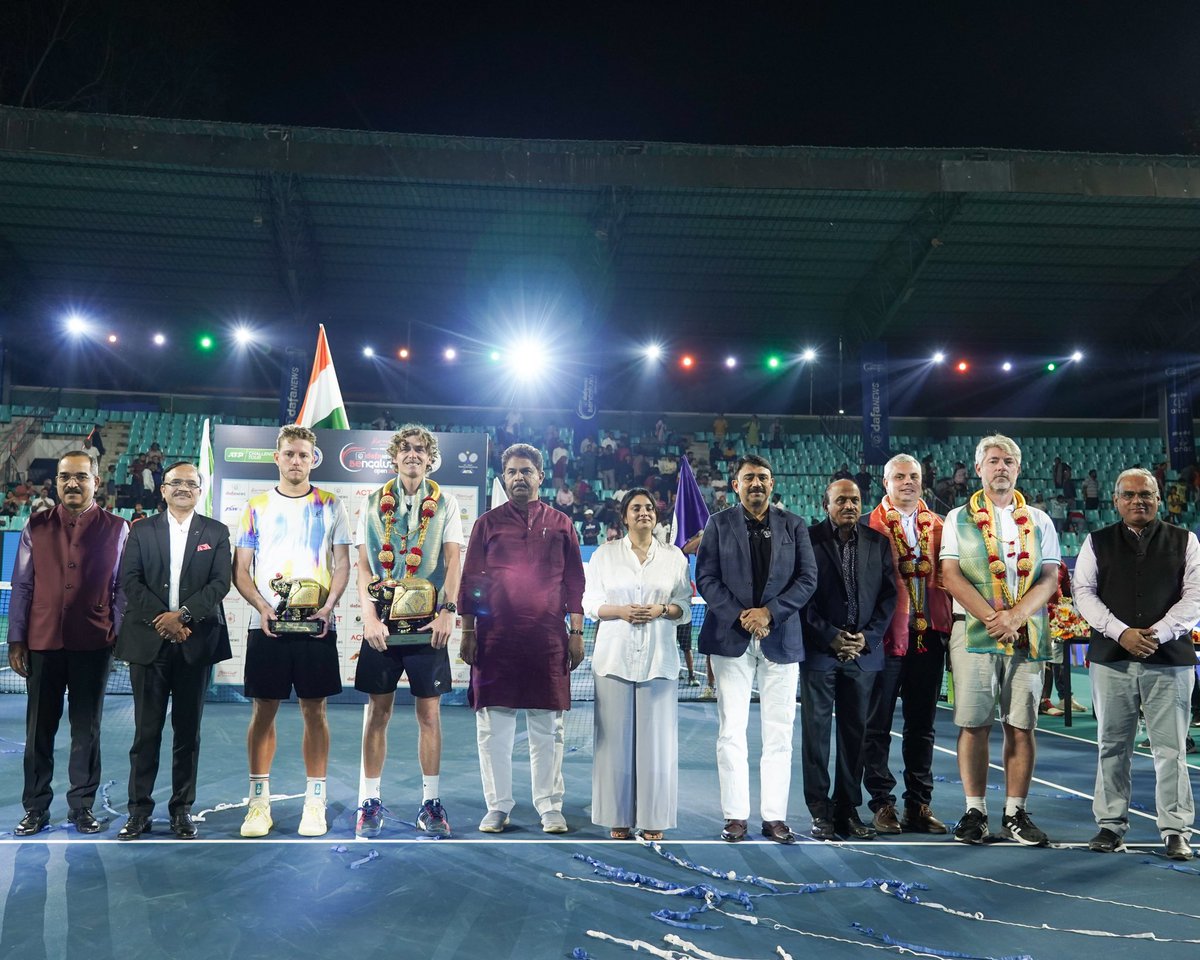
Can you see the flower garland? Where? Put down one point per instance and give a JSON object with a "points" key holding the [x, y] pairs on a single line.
{"points": [[914, 569], [412, 555], [984, 515]]}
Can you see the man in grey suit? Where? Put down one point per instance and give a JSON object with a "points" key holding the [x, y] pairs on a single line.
{"points": [[844, 624], [175, 573], [755, 570]]}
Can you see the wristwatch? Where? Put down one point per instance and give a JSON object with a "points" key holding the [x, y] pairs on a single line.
{"points": [[185, 614], [449, 605]]}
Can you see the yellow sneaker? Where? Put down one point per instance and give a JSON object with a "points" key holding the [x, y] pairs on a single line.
{"points": [[312, 821], [258, 821]]}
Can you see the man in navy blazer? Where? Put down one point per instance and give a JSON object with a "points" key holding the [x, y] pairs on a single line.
{"points": [[755, 571], [844, 624], [176, 571]]}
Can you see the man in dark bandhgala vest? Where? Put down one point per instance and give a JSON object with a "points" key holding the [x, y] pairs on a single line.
{"points": [[1137, 582], [63, 620]]}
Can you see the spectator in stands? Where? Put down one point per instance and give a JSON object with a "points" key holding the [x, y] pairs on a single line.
{"points": [[844, 625], [1160, 476], [154, 455], [110, 483], [755, 586], [521, 658], [1091, 491], [552, 438], [915, 655], [863, 480], [384, 421], [1176, 503], [22, 492], [588, 461], [512, 424], [777, 501], [998, 646], [1039, 501], [960, 479], [583, 492], [90, 448], [1058, 472], [61, 629], [148, 489], [668, 470], [589, 530], [1137, 583], [753, 431], [11, 506], [96, 441], [1068, 485], [720, 428], [41, 503], [1058, 512], [293, 530], [172, 633], [407, 512], [609, 442], [660, 431], [138, 513], [776, 435], [564, 500], [559, 459], [639, 591]]}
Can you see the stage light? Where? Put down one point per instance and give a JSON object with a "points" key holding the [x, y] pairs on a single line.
{"points": [[1051, 367], [939, 357], [687, 361], [402, 353], [529, 357], [1006, 366], [1077, 356], [368, 352], [243, 336], [731, 362], [77, 324], [963, 366], [773, 362], [809, 355], [652, 351], [205, 342], [450, 353], [494, 356], [159, 340], [112, 338]]}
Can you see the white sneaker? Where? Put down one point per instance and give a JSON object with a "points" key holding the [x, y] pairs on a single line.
{"points": [[312, 821], [553, 822], [258, 821], [493, 822]]}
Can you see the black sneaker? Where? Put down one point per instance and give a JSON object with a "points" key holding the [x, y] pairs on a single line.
{"points": [[1022, 829], [1106, 841], [972, 827]]}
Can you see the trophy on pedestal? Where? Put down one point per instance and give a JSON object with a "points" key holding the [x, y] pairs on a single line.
{"points": [[405, 606], [301, 598]]}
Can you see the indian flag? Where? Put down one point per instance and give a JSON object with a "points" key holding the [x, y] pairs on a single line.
{"points": [[323, 407]]}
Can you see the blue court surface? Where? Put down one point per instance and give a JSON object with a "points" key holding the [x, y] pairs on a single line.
{"points": [[527, 895]]}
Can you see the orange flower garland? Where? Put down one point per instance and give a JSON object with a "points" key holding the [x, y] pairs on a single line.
{"points": [[412, 555], [984, 515], [913, 568]]}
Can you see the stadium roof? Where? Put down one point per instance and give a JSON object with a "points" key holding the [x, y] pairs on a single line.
{"points": [[164, 218]]}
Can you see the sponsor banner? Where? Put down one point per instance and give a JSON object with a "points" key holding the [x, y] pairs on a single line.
{"points": [[1176, 419], [586, 408], [875, 426], [350, 464], [292, 384]]}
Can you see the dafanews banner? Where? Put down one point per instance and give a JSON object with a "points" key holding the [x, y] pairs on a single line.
{"points": [[1176, 418], [875, 426], [350, 464]]}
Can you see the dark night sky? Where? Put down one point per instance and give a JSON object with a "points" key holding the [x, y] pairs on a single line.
{"points": [[1096, 76]]}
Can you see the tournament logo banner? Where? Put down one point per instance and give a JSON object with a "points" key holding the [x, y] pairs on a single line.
{"points": [[292, 384], [875, 426], [586, 408]]}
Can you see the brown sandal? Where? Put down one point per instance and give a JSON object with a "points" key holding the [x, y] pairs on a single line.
{"points": [[652, 835], [619, 833]]}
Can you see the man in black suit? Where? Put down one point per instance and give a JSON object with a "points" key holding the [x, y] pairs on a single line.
{"points": [[176, 571], [754, 568], [844, 623]]}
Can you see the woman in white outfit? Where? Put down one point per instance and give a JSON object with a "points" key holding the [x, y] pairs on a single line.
{"points": [[639, 590]]}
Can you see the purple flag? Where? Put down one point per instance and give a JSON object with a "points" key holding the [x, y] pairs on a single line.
{"points": [[691, 513]]}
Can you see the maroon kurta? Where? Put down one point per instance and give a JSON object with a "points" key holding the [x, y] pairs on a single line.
{"points": [[522, 576]]}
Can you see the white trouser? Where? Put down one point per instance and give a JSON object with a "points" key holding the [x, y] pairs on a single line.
{"points": [[496, 733], [777, 712], [1164, 694]]}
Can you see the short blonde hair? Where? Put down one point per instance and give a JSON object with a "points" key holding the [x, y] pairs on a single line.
{"points": [[293, 431], [1007, 444]]}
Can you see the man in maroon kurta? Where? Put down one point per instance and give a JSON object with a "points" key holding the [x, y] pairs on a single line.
{"points": [[64, 617], [523, 576]]}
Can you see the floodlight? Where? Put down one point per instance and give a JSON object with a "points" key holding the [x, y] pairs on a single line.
{"points": [[112, 338], [939, 357], [77, 324], [809, 355], [687, 361], [1006, 366], [159, 340], [731, 362], [1077, 356], [368, 352], [450, 353], [402, 353], [652, 351]]}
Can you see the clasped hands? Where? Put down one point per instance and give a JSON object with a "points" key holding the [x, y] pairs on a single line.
{"points": [[639, 613], [756, 621], [170, 626], [846, 646], [1139, 642], [1005, 626]]}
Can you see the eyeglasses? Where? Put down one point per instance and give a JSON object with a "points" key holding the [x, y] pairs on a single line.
{"points": [[77, 477], [182, 484], [1142, 495]]}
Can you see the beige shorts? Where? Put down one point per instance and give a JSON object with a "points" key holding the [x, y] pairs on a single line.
{"points": [[983, 681]]}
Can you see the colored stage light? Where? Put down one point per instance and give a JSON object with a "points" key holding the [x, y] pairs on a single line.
{"points": [[963, 366], [773, 362], [205, 342], [687, 361], [402, 353], [1051, 367], [494, 356]]}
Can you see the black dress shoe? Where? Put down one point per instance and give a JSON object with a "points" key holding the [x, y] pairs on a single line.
{"points": [[734, 831], [134, 827], [183, 826], [852, 828], [822, 829], [778, 831], [84, 821], [34, 821], [1178, 848]]}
